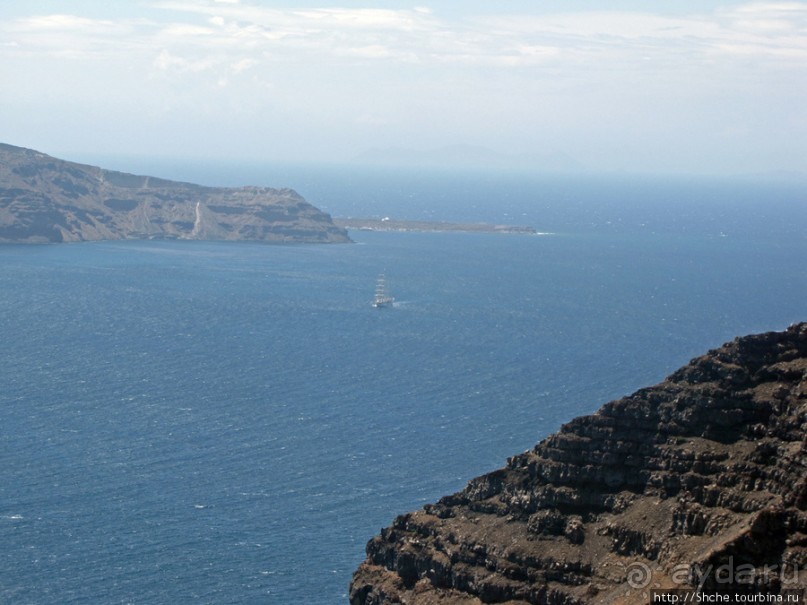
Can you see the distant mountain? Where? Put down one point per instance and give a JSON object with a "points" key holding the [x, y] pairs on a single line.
{"points": [[44, 199], [468, 156]]}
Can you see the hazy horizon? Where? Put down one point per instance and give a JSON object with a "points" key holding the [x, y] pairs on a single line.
{"points": [[686, 87]]}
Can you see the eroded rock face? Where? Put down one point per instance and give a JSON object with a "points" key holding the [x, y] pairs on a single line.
{"points": [[43, 199], [700, 481]]}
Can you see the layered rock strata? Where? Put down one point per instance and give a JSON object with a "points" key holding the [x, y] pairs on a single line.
{"points": [[44, 199], [699, 482]]}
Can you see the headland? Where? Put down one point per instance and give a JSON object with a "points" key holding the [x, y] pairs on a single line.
{"points": [[696, 484]]}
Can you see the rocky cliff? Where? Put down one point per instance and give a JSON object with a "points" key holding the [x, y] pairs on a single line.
{"points": [[699, 482], [44, 199]]}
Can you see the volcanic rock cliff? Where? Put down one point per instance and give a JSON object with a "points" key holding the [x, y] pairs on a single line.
{"points": [[699, 482], [43, 199]]}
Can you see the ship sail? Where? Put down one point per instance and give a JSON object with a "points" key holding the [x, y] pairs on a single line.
{"points": [[382, 296]]}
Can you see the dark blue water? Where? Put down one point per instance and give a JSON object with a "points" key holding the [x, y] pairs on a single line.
{"points": [[230, 423]]}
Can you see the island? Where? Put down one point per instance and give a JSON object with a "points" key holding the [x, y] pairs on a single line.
{"points": [[697, 485], [46, 200], [391, 224]]}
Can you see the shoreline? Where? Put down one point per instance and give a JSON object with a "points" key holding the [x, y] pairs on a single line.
{"points": [[389, 224]]}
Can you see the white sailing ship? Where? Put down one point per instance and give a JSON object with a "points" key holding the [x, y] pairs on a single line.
{"points": [[382, 296]]}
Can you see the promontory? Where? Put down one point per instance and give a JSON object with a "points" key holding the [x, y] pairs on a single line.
{"points": [[693, 490], [45, 199]]}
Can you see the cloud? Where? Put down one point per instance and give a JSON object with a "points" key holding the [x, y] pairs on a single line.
{"points": [[184, 30], [764, 30], [66, 35], [194, 30], [243, 65], [605, 36], [364, 19], [165, 61], [200, 45], [378, 70], [61, 23]]}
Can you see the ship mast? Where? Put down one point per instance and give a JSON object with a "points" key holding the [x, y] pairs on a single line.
{"points": [[382, 297]]}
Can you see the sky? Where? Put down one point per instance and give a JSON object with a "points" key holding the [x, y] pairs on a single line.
{"points": [[674, 86]]}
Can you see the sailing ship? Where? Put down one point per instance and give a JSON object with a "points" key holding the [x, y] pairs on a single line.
{"points": [[382, 297]]}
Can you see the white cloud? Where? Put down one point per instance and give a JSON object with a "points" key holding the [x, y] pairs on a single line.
{"points": [[249, 31], [370, 51], [376, 70], [353, 18], [768, 7], [243, 65], [183, 30], [62, 23]]}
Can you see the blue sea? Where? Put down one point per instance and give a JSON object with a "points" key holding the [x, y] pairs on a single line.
{"points": [[188, 422]]}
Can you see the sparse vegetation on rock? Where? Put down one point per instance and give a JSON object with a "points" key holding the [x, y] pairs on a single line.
{"points": [[697, 482], [44, 199]]}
